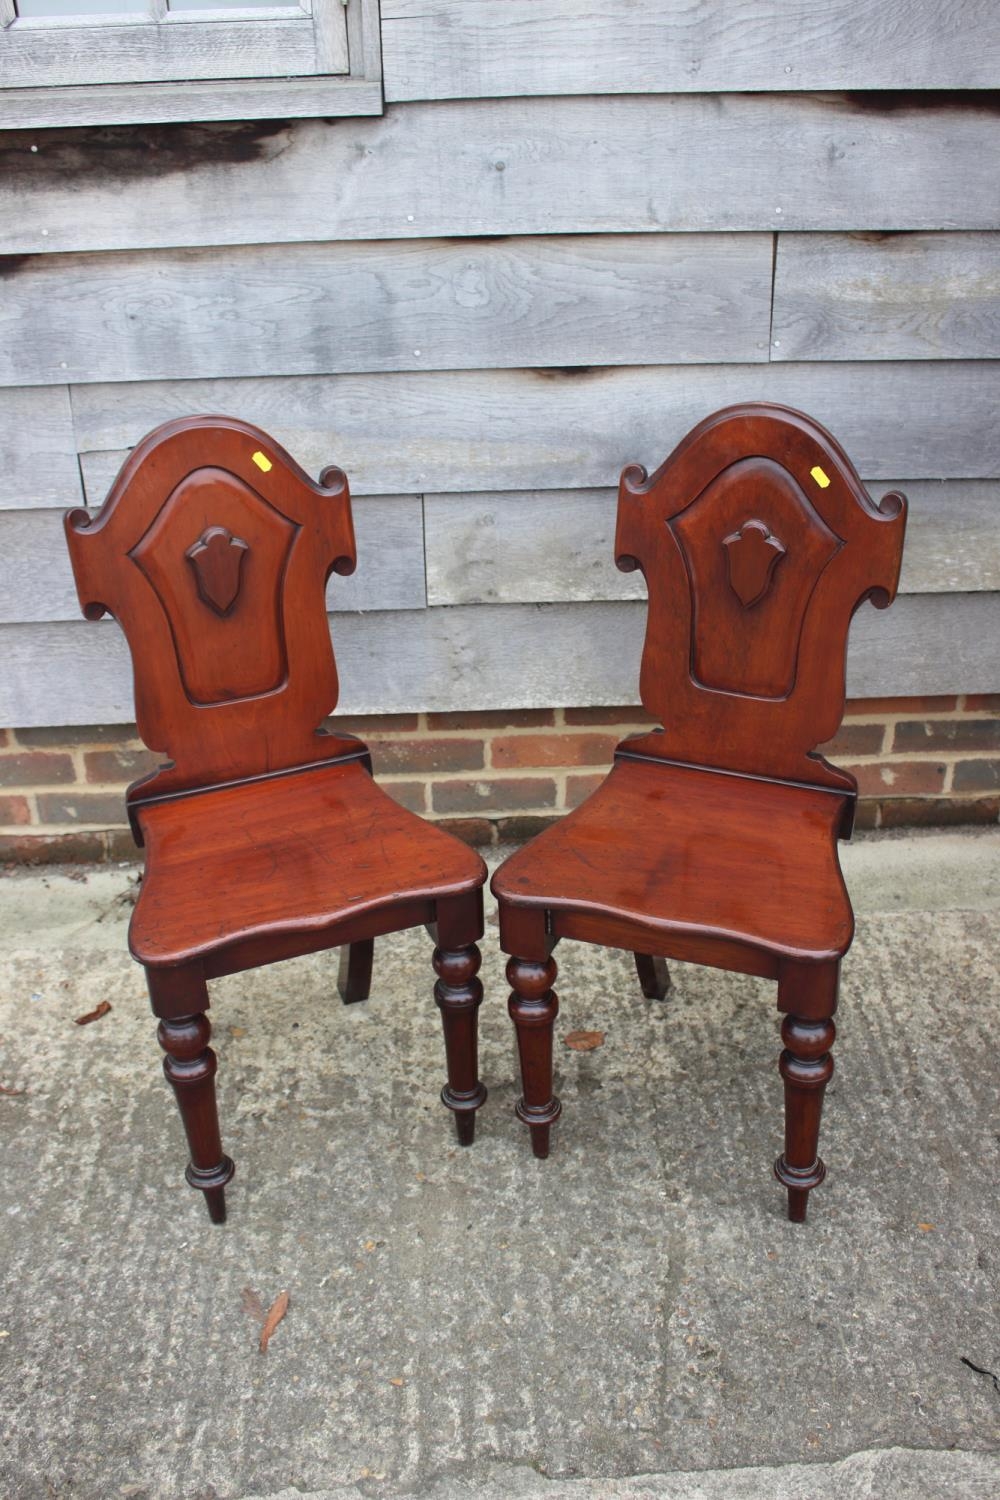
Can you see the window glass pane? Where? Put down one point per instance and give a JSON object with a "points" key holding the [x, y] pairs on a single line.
{"points": [[31, 8]]}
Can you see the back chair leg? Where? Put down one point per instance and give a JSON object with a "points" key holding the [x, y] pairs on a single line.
{"points": [[806, 1067], [654, 975], [459, 994], [190, 1066], [533, 1008], [354, 981]]}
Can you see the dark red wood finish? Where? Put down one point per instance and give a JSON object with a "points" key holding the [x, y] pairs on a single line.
{"points": [[714, 839], [265, 836]]}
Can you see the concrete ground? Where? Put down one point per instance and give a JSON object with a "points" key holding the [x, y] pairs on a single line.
{"points": [[632, 1318]]}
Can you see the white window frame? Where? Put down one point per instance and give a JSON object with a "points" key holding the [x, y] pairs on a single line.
{"points": [[292, 59]]}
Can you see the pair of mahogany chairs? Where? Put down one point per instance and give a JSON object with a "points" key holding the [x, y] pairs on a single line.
{"points": [[713, 840]]}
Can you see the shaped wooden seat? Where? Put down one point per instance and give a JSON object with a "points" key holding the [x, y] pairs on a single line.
{"points": [[670, 848], [265, 836], [287, 862], [714, 839]]}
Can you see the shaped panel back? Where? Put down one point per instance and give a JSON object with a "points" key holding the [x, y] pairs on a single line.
{"points": [[212, 551], [758, 542]]}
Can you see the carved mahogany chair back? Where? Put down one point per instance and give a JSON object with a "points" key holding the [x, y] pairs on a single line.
{"points": [[265, 835], [213, 551], [758, 542], [713, 839]]}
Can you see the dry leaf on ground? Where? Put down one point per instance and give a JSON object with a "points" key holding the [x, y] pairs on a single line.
{"points": [[95, 1014], [584, 1041], [278, 1309]]}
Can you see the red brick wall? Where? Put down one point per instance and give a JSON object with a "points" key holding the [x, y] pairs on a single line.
{"points": [[500, 776]]}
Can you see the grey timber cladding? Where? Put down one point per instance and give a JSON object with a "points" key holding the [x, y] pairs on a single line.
{"points": [[396, 305], [558, 545], [482, 308], [533, 301], [38, 463], [492, 656], [445, 49], [513, 166], [163, 103], [129, 53], [540, 429], [895, 296]]}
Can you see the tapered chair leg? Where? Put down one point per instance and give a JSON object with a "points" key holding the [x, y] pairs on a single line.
{"points": [[654, 975], [459, 994], [806, 1067], [190, 1066], [533, 1008], [354, 981]]}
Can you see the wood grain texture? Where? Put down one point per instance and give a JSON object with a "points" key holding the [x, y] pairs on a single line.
{"points": [[38, 464], [546, 546], [210, 887], [512, 166], [555, 546], [498, 656], [266, 836], [325, 309], [212, 551], [758, 543], [605, 857], [895, 296], [36, 581], [522, 430], [85, 105], [38, 56], [444, 49]]}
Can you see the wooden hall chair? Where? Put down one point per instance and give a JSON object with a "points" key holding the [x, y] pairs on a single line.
{"points": [[265, 837], [713, 840]]}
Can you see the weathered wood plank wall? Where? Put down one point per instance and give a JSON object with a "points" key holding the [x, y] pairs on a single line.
{"points": [[446, 49], [483, 307], [513, 166], [490, 656]]}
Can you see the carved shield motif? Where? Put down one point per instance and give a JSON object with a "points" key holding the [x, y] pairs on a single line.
{"points": [[752, 554], [217, 559]]}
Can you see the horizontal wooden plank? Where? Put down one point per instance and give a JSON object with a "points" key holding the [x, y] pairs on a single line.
{"points": [[402, 305], [38, 463], [887, 296], [952, 535], [164, 103], [36, 55], [523, 429], [36, 581], [499, 656], [449, 49], [512, 166], [554, 546]]}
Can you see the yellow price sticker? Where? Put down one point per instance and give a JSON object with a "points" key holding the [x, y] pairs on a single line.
{"points": [[820, 476], [263, 462]]}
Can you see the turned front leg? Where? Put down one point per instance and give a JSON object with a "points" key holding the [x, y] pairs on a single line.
{"points": [[459, 995], [806, 1067], [190, 1066], [533, 1008]]}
